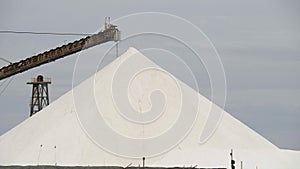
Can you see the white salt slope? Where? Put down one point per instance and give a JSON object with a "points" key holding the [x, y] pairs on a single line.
{"points": [[32, 142]]}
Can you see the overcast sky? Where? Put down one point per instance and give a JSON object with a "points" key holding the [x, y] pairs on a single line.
{"points": [[258, 43]]}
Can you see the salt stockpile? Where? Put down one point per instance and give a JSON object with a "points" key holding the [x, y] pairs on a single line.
{"points": [[131, 109]]}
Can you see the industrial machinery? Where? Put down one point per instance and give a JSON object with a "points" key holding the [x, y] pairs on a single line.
{"points": [[110, 33], [40, 94]]}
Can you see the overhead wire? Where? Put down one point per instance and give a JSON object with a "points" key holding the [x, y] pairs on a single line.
{"points": [[33, 33], [5, 60], [5, 87], [44, 33], [2, 91], [3, 82]]}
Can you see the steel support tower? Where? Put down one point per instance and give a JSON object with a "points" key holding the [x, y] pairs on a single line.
{"points": [[40, 94]]}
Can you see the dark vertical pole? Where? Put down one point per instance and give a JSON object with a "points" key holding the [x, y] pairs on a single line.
{"points": [[232, 162], [38, 162], [31, 105], [38, 98], [55, 155], [143, 162], [47, 95]]}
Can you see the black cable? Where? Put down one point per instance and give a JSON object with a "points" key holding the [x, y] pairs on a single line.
{"points": [[45, 33], [3, 82], [5, 60], [3, 90]]}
